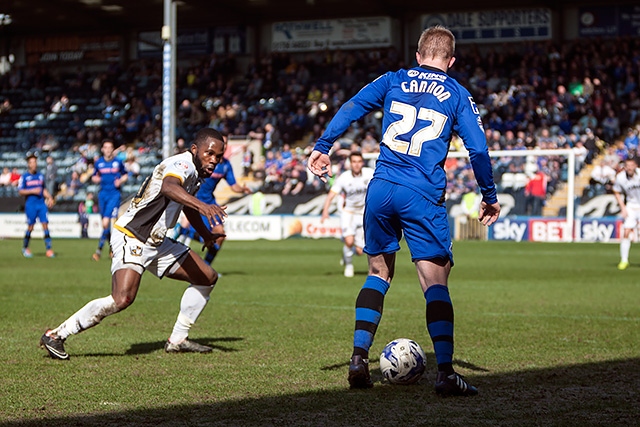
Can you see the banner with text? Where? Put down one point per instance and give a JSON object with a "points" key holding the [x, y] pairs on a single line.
{"points": [[609, 21], [277, 227], [494, 26], [332, 34], [535, 229], [60, 226], [57, 49], [247, 227], [311, 226]]}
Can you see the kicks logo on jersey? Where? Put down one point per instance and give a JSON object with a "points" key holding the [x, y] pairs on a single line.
{"points": [[135, 250], [474, 107]]}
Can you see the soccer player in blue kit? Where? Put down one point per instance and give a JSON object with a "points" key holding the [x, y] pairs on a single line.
{"points": [[423, 106], [37, 202], [110, 174]]}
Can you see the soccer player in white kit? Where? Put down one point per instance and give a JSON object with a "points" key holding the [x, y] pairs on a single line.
{"points": [[627, 186], [139, 244], [352, 184]]}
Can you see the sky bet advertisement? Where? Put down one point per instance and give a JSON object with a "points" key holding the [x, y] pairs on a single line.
{"points": [[555, 229]]}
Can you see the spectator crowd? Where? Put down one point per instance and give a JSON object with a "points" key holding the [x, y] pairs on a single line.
{"points": [[581, 94]]}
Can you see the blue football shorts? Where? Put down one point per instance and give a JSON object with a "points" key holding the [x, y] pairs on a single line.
{"points": [[37, 211], [392, 210], [109, 204]]}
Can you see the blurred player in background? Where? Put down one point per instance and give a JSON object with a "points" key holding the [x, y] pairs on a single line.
{"points": [[627, 186], [422, 108], [37, 201], [352, 184], [206, 194], [111, 175], [138, 243]]}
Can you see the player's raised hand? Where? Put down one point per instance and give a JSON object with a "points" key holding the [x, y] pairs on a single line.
{"points": [[214, 213], [488, 213], [320, 165]]}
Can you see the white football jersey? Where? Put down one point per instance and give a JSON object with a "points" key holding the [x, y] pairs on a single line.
{"points": [[630, 187], [151, 214], [354, 189]]}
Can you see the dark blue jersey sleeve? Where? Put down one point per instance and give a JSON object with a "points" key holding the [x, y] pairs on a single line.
{"points": [[469, 127], [368, 99], [228, 175], [205, 193]]}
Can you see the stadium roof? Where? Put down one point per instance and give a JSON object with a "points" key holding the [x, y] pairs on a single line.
{"points": [[117, 16]]}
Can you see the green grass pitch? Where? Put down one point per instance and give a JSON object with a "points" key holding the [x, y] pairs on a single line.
{"points": [[550, 334]]}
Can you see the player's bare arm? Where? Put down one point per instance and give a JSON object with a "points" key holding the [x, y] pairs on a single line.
{"points": [[325, 209], [320, 165], [241, 188], [48, 199], [119, 181], [196, 220], [623, 207], [172, 188], [28, 192]]}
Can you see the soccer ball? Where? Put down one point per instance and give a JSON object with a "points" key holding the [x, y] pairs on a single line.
{"points": [[402, 361]]}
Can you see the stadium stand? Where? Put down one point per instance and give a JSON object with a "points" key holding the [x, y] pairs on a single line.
{"points": [[532, 95]]}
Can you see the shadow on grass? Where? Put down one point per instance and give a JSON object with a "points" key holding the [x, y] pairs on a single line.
{"points": [[604, 393], [431, 361], [150, 347], [376, 374]]}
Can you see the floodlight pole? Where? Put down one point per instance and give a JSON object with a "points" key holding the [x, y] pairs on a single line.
{"points": [[169, 36]]}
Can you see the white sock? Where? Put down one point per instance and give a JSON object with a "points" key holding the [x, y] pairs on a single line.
{"points": [[88, 316], [347, 254], [187, 241], [194, 300], [625, 245]]}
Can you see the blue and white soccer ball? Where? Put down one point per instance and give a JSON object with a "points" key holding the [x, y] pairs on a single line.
{"points": [[402, 361]]}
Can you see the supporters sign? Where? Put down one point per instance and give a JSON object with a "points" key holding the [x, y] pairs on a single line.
{"points": [[332, 34], [493, 26]]}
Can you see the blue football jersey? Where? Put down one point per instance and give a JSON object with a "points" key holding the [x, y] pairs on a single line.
{"points": [[29, 181], [423, 108], [109, 171], [208, 186]]}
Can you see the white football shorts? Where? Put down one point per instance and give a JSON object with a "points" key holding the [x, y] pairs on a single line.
{"points": [[351, 224], [129, 252], [633, 216]]}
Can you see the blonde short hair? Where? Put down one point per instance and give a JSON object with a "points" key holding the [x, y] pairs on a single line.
{"points": [[437, 42]]}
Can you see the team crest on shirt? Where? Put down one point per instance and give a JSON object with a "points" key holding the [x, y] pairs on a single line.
{"points": [[135, 250], [181, 165]]}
